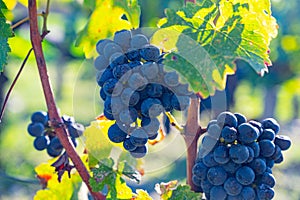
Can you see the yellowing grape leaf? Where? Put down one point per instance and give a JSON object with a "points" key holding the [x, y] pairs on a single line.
{"points": [[105, 20], [97, 142], [55, 190], [5, 33], [141, 195], [206, 38]]}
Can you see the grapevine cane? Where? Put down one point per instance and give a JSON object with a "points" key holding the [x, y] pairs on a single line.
{"points": [[36, 40]]}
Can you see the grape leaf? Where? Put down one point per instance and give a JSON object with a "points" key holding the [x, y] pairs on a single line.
{"points": [[5, 33], [97, 142], [141, 195], [125, 169], [105, 20], [105, 175], [183, 192], [206, 38]]}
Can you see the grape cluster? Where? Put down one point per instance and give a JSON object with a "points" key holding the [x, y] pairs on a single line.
{"points": [[45, 136], [134, 85], [236, 158]]}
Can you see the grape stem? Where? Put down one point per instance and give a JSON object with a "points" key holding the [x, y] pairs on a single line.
{"points": [[62, 134], [13, 84], [192, 132]]}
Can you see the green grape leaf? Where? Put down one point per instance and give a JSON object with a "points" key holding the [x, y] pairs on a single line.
{"points": [[129, 171], [206, 38], [105, 175], [105, 20], [183, 192], [5, 33], [97, 142]]}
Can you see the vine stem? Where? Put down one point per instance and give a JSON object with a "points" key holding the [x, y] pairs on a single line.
{"points": [[13, 84], [62, 134], [191, 135]]}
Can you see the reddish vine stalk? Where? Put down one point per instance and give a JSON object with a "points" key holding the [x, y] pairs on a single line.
{"points": [[62, 134], [191, 135]]}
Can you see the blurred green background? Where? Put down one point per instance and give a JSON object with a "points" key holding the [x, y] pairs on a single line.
{"points": [[277, 95]]}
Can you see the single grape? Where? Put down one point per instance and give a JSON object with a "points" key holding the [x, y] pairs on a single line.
{"points": [[130, 97], [214, 131], [139, 152], [139, 137], [232, 186], [245, 175], [41, 142], [248, 193], [265, 193], [127, 144], [138, 41], [171, 79], [267, 148], [101, 63], [75, 130], [257, 125], [133, 55], [40, 116], [229, 134], [200, 170], [268, 179], [211, 122], [217, 193], [123, 38], [109, 86], [247, 133], [272, 124], [115, 134], [216, 175], [111, 48], [209, 160], [267, 134], [251, 154], [150, 53], [120, 70], [221, 154], [52, 152], [35, 129], [283, 141], [258, 165], [55, 144], [152, 136], [240, 118], [150, 70], [227, 119], [196, 180], [207, 145], [239, 153]]}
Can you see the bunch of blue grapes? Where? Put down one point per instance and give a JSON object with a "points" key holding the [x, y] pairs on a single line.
{"points": [[236, 158], [45, 136], [134, 85]]}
